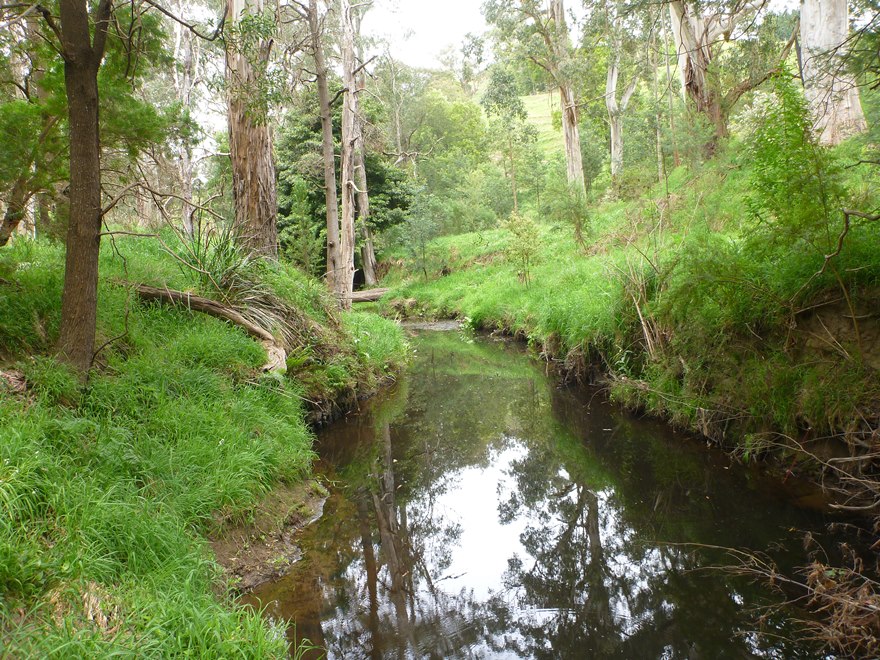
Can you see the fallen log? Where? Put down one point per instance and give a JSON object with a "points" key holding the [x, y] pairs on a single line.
{"points": [[277, 355], [367, 295]]}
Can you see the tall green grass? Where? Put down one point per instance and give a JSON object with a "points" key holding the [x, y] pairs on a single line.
{"points": [[107, 492]]}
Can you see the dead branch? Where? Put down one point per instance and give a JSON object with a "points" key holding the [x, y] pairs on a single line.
{"points": [[275, 351]]}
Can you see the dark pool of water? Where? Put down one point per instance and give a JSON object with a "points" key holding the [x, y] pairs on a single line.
{"points": [[481, 511]]}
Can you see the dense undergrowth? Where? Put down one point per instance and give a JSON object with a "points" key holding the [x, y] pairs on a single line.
{"points": [[108, 490], [732, 299]]}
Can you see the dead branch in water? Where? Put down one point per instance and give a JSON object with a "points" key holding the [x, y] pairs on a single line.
{"points": [[843, 599]]}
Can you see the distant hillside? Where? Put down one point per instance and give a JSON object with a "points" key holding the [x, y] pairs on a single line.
{"points": [[540, 108]]}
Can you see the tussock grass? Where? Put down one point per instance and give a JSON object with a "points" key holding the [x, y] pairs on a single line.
{"points": [[106, 492]]}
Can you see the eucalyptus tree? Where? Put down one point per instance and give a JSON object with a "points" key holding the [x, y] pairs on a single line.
{"points": [[503, 104], [401, 90], [351, 152], [831, 89], [617, 28], [538, 31], [249, 39], [368, 250], [700, 32], [335, 262]]}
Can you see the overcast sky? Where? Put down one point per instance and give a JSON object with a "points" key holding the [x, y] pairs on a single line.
{"points": [[419, 30]]}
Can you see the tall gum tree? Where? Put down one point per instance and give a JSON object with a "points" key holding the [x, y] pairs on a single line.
{"points": [[335, 265], [698, 31], [559, 44], [368, 251], [351, 149], [539, 31], [250, 135], [830, 90], [616, 102]]}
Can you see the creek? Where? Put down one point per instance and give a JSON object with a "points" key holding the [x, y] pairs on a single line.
{"points": [[480, 509]]}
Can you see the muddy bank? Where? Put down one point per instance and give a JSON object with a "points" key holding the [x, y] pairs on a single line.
{"points": [[261, 546]]}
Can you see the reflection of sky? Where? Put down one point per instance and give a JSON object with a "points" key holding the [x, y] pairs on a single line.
{"points": [[592, 567], [480, 559]]}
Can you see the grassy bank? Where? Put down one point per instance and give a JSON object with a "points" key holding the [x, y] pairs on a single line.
{"points": [[700, 300], [108, 491]]}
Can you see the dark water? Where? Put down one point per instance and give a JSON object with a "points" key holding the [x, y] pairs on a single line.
{"points": [[481, 511]]}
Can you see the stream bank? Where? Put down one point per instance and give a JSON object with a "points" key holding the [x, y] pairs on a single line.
{"points": [[797, 388], [110, 491], [480, 508]]}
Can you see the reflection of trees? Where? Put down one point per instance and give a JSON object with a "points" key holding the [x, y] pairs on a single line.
{"points": [[594, 581], [591, 578]]}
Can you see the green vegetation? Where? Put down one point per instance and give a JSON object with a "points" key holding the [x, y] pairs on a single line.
{"points": [[108, 490], [541, 109], [713, 305]]}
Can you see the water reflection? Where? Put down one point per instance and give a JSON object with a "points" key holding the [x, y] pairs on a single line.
{"points": [[479, 511]]}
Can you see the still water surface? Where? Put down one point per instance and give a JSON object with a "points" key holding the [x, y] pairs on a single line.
{"points": [[479, 510]]}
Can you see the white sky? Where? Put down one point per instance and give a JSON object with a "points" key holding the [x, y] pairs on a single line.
{"points": [[419, 30]]}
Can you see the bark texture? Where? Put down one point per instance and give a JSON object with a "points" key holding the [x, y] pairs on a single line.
{"points": [[694, 36], [616, 107], [559, 45], [250, 143], [830, 90], [352, 144], [82, 57], [368, 252], [334, 256]]}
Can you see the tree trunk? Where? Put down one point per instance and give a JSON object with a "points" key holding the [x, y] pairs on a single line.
{"points": [[368, 256], [614, 107], [250, 147], [334, 255], [79, 301], [693, 39], [186, 54], [694, 36], [16, 204], [571, 138], [368, 252], [615, 123], [830, 91], [570, 132], [350, 146], [513, 174]]}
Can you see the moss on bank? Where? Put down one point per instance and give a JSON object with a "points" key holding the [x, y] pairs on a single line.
{"points": [[107, 492], [697, 309]]}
